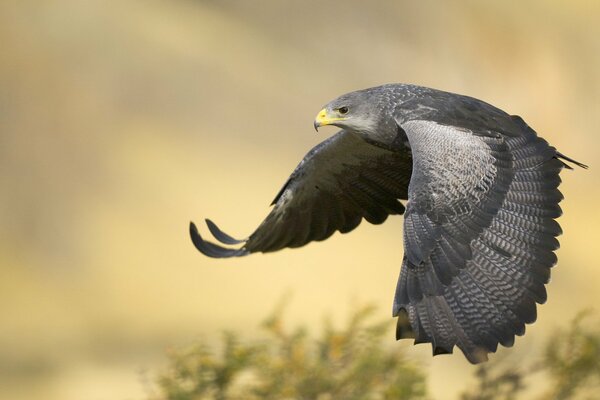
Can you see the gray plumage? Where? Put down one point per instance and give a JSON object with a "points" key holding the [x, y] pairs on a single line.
{"points": [[479, 224]]}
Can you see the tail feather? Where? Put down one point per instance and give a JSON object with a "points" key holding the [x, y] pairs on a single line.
{"points": [[561, 157]]}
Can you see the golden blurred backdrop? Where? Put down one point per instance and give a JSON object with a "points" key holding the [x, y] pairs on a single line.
{"points": [[122, 121]]}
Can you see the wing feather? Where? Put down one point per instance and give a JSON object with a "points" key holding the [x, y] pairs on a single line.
{"points": [[336, 185], [479, 236]]}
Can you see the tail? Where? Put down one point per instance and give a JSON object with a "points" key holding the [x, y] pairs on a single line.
{"points": [[562, 157]]}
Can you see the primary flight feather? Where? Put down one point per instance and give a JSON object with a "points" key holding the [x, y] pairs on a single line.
{"points": [[479, 222]]}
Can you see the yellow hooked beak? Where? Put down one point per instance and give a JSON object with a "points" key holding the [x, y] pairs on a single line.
{"points": [[324, 119]]}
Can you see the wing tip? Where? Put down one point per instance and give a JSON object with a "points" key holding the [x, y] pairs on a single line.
{"points": [[210, 249], [220, 235], [476, 355], [441, 350], [404, 329]]}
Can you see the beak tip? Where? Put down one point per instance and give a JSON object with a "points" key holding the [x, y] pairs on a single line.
{"points": [[316, 125]]}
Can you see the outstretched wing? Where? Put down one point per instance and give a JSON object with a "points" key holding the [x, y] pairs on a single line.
{"points": [[479, 236], [339, 182]]}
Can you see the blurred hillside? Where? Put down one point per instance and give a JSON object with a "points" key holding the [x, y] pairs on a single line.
{"points": [[122, 121]]}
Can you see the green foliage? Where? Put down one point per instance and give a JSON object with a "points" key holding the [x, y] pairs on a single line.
{"points": [[571, 362], [353, 363], [572, 358], [495, 381], [350, 363], [195, 373]]}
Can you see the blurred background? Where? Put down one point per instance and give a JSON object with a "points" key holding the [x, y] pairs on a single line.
{"points": [[122, 121]]}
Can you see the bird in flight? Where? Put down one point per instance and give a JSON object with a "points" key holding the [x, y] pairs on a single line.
{"points": [[482, 198]]}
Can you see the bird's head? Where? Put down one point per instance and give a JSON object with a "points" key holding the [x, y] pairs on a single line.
{"points": [[352, 111], [364, 112]]}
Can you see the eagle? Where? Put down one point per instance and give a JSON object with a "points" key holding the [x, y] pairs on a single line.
{"points": [[478, 189]]}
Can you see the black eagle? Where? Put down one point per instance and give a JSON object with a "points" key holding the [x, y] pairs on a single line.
{"points": [[480, 221]]}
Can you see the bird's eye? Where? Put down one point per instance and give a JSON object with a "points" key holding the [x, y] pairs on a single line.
{"points": [[343, 110]]}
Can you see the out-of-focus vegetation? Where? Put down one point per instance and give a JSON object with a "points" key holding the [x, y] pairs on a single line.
{"points": [[570, 365], [496, 382], [355, 363], [351, 364], [572, 358]]}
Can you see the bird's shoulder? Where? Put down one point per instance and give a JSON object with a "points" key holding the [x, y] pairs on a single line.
{"points": [[456, 110]]}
